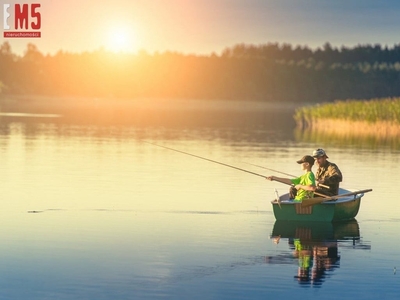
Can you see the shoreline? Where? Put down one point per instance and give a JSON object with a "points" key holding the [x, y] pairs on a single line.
{"points": [[57, 103], [346, 128]]}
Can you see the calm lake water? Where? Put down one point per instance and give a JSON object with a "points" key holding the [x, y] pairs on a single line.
{"points": [[91, 210]]}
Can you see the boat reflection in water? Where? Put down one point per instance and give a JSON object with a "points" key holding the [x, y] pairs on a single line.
{"points": [[315, 246]]}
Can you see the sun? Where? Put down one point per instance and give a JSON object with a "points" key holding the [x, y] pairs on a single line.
{"points": [[121, 39]]}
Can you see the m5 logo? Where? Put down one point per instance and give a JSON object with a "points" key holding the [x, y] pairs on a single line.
{"points": [[22, 20]]}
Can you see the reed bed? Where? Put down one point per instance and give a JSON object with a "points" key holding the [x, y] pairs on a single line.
{"points": [[371, 111], [379, 117]]}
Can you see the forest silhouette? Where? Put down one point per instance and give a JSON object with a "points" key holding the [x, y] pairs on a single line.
{"points": [[269, 72]]}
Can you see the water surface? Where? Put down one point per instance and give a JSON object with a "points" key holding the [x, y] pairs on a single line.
{"points": [[93, 211]]}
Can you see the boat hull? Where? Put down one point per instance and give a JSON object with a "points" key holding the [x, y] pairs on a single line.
{"points": [[340, 210]]}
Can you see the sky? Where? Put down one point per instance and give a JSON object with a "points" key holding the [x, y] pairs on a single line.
{"points": [[207, 26]]}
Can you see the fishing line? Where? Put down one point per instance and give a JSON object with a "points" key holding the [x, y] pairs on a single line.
{"points": [[217, 162], [210, 160], [276, 171]]}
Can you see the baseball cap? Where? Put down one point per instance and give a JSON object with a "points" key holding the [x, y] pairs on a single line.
{"points": [[319, 152], [306, 158]]}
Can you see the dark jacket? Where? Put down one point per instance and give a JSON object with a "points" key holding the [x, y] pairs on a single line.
{"points": [[330, 176]]}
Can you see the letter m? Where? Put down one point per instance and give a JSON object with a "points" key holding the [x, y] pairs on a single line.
{"points": [[21, 16]]}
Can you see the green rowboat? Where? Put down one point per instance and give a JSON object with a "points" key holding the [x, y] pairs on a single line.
{"points": [[338, 208]]}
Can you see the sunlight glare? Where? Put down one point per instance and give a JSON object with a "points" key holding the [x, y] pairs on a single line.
{"points": [[121, 39]]}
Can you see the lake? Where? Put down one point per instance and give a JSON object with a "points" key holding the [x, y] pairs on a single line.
{"points": [[92, 209]]}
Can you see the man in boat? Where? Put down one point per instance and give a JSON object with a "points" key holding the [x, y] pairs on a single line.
{"points": [[328, 174], [304, 186]]}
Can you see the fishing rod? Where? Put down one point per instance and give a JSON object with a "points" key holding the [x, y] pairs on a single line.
{"points": [[211, 160], [276, 171], [220, 163], [320, 184]]}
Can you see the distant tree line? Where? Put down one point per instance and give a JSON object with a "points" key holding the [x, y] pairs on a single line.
{"points": [[270, 72]]}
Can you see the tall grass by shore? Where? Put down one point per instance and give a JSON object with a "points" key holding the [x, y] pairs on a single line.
{"points": [[370, 111], [376, 117]]}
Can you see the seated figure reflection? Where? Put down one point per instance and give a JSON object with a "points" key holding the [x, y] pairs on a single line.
{"points": [[314, 259], [314, 246]]}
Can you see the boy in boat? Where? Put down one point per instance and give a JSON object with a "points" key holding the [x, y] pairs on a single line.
{"points": [[304, 186], [328, 174]]}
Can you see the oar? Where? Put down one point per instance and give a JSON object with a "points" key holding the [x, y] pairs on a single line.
{"points": [[276, 171], [317, 200]]}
